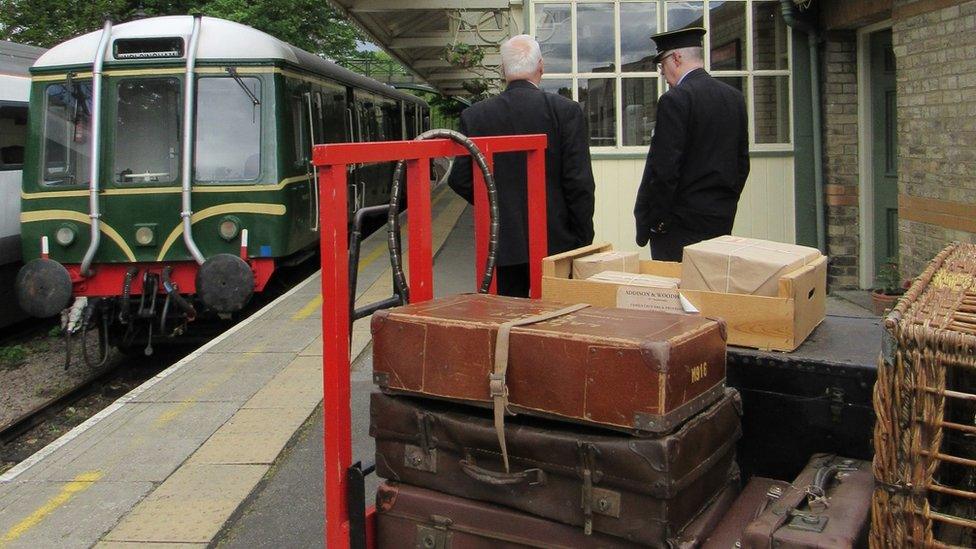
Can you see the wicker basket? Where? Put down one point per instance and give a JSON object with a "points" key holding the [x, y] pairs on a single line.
{"points": [[925, 400]]}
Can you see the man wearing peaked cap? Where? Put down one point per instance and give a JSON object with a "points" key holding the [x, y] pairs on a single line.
{"points": [[699, 156]]}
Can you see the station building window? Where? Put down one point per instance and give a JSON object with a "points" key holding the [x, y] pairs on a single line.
{"points": [[599, 52]]}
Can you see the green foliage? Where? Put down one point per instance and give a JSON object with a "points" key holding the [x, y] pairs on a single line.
{"points": [[309, 24], [444, 107], [888, 280], [464, 55], [12, 354]]}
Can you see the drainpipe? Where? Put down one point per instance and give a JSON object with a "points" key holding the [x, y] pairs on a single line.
{"points": [[788, 9], [188, 99], [95, 153]]}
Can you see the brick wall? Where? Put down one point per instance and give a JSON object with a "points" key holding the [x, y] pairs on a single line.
{"points": [[935, 49], [839, 90]]}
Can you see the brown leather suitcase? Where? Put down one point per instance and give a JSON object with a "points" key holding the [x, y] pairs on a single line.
{"points": [[758, 494], [639, 488], [410, 516], [694, 535], [827, 506], [639, 371]]}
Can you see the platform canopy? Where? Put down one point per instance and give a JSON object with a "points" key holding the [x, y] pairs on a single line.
{"points": [[433, 38]]}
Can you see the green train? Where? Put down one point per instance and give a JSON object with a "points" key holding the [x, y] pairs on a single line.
{"points": [[167, 170]]}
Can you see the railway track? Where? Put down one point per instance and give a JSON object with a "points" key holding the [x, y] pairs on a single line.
{"points": [[35, 416]]}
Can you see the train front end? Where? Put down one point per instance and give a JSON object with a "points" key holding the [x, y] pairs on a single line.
{"points": [[151, 192]]}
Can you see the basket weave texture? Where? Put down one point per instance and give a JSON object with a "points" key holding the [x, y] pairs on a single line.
{"points": [[925, 401]]}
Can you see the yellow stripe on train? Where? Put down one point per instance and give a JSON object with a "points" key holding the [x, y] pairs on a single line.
{"points": [[232, 208], [69, 215], [168, 190]]}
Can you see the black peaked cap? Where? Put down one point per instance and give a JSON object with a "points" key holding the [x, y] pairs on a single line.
{"points": [[690, 37]]}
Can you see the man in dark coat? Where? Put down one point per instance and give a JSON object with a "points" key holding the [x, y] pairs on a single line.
{"points": [[523, 108], [699, 156]]}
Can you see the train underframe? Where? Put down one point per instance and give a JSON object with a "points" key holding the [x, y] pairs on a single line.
{"points": [[131, 305]]}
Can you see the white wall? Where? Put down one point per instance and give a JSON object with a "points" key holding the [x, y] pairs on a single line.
{"points": [[766, 209]]}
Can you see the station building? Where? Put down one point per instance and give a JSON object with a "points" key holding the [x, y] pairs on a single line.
{"points": [[862, 113]]}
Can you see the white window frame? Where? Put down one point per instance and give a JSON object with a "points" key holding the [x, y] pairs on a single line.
{"points": [[618, 75]]}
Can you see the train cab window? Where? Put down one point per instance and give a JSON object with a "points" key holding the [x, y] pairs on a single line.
{"points": [[67, 129], [13, 134], [147, 131], [228, 130]]}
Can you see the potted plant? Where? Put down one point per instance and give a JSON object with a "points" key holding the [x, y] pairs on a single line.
{"points": [[888, 287], [464, 55]]}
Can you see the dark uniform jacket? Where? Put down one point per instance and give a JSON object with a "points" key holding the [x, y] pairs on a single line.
{"points": [[698, 161], [524, 109]]}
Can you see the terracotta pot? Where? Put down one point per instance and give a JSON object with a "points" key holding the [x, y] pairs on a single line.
{"points": [[881, 302]]}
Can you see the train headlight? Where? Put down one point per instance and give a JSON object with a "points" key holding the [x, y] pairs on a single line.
{"points": [[229, 228], [65, 235], [145, 235]]}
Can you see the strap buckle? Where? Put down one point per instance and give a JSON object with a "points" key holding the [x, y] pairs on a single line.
{"points": [[497, 386]]}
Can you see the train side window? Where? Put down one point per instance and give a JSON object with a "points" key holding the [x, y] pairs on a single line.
{"points": [[410, 115], [333, 116], [67, 132], [392, 127], [147, 131], [228, 130], [299, 124], [13, 135]]}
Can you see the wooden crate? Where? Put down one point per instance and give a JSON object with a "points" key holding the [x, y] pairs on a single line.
{"points": [[779, 323]]}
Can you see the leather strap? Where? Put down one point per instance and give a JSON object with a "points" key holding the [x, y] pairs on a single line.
{"points": [[496, 380]]}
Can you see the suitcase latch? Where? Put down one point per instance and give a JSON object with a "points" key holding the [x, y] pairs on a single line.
{"points": [[415, 457], [807, 522], [605, 502], [436, 536]]}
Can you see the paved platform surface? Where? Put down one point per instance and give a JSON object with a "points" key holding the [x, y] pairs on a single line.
{"points": [[170, 463]]}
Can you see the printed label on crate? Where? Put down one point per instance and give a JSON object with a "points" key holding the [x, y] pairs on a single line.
{"points": [[649, 299]]}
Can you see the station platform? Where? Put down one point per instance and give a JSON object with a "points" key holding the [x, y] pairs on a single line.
{"points": [[224, 448], [170, 463]]}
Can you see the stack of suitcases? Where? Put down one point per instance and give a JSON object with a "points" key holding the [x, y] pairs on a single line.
{"points": [[505, 422]]}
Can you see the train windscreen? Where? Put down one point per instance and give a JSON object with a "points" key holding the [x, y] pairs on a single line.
{"points": [[67, 133], [147, 131], [228, 130]]}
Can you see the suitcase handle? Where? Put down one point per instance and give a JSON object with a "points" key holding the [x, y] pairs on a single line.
{"points": [[533, 477]]}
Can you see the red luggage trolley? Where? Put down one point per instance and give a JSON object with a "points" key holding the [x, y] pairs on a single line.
{"points": [[345, 524]]}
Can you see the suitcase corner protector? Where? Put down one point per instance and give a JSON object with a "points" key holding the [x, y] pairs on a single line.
{"points": [[654, 423], [381, 379]]}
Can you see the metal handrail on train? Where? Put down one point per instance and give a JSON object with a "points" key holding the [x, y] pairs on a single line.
{"points": [[188, 99], [96, 126]]}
